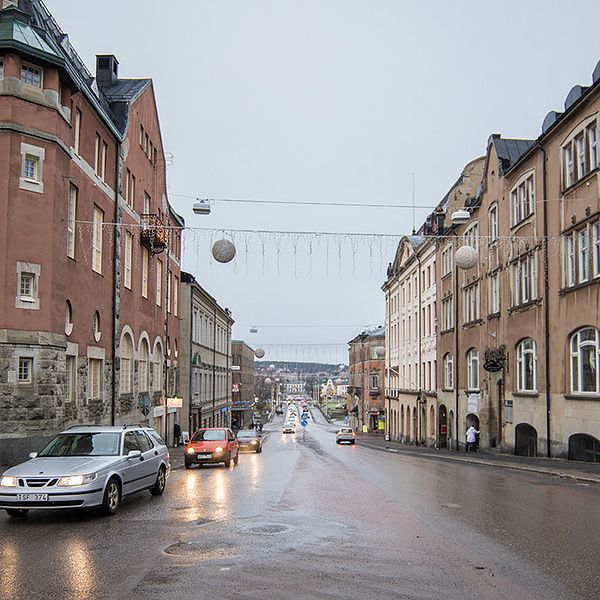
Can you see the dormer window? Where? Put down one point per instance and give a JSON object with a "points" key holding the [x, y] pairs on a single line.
{"points": [[31, 75], [580, 155]]}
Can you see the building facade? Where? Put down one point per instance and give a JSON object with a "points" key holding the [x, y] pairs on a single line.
{"points": [[90, 246], [532, 297], [206, 358], [242, 390], [365, 393]]}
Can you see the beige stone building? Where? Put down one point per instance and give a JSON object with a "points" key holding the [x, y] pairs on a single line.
{"points": [[519, 358]]}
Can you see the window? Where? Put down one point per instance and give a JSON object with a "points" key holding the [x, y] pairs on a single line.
{"points": [[569, 167], [96, 326], [71, 395], [1, 68], [596, 249], [25, 375], [447, 261], [570, 259], [145, 268], [143, 367], [95, 379], [77, 131], [159, 276], [71, 218], [592, 146], [31, 75], [473, 369], [126, 364], [522, 201], [471, 303], [447, 313], [448, 372], [158, 369], [526, 366], [580, 150], [127, 258], [493, 223], [146, 208], [175, 295], [471, 236], [97, 150], [32, 158], [27, 287], [97, 240], [31, 167], [583, 248], [68, 319], [525, 281], [168, 302], [585, 354], [580, 155], [374, 382], [103, 161], [28, 276], [494, 306], [129, 188], [582, 254]]}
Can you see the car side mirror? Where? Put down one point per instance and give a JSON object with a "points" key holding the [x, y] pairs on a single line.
{"points": [[32, 454], [134, 454]]}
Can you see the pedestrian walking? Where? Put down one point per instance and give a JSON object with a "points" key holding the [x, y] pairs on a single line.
{"points": [[176, 434], [472, 435]]}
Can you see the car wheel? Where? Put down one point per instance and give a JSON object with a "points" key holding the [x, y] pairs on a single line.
{"points": [[188, 465], [112, 498], [259, 450], [337, 441], [17, 513], [236, 459], [353, 442], [161, 480]]}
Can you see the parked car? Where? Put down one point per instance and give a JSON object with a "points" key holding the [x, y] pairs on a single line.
{"points": [[212, 445], [87, 466], [345, 434], [248, 439]]}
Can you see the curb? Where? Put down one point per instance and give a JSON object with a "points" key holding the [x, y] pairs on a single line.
{"points": [[514, 467]]}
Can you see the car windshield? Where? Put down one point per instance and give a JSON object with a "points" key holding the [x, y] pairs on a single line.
{"points": [[83, 444], [345, 430], [209, 435], [247, 433]]}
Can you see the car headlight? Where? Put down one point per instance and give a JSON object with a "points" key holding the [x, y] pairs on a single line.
{"points": [[190, 451], [218, 450], [74, 480], [254, 442], [8, 481]]}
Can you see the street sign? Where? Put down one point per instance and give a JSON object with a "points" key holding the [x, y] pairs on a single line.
{"points": [[304, 422]]}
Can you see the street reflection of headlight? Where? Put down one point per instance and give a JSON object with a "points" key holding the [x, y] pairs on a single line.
{"points": [[8, 481], [190, 451], [74, 480], [218, 450]]}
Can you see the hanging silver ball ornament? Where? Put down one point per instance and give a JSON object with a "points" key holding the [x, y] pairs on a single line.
{"points": [[223, 251], [268, 381], [466, 257], [338, 381], [380, 352], [259, 353]]}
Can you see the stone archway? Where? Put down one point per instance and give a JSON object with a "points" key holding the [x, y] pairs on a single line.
{"points": [[443, 429], [585, 447]]}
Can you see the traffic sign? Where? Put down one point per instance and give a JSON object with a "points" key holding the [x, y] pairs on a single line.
{"points": [[304, 422]]}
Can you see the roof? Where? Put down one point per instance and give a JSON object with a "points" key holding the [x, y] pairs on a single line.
{"points": [[23, 36], [509, 151], [120, 96]]}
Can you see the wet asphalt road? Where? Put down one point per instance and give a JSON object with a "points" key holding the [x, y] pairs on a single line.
{"points": [[316, 520]]}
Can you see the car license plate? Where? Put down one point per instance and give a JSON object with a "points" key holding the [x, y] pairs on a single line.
{"points": [[204, 455], [32, 497]]}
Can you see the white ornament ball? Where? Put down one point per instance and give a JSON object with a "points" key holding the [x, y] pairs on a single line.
{"points": [[223, 251], [259, 353], [268, 381], [338, 381], [380, 351], [466, 257]]}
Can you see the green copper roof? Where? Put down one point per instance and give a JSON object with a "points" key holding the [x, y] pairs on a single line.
{"points": [[22, 36]]}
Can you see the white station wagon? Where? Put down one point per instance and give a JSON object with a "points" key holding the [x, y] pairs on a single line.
{"points": [[87, 466]]}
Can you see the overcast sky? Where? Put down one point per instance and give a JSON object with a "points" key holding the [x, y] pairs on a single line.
{"points": [[329, 101]]}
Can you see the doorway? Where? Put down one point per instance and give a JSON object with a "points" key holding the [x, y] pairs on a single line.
{"points": [[525, 440], [442, 427]]}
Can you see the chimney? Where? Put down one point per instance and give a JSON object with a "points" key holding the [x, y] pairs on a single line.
{"points": [[107, 70]]}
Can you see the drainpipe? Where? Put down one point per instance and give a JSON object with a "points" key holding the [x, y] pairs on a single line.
{"points": [[546, 306], [455, 368], [214, 369], [115, 291], [419, 351], [191, 321]]}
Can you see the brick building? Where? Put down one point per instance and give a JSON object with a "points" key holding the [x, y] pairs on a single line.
{"points": [[89, 244]]}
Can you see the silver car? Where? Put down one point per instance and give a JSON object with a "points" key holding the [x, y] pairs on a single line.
{"points": [[87, 466]]}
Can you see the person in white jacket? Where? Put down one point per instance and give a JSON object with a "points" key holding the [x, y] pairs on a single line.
{"points": [[472, 434]]}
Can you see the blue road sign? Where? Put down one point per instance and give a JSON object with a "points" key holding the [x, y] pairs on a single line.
{"points": [[304, 422]]}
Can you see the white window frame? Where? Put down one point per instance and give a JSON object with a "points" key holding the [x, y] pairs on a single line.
{"points": [[471, 236], [71, 368], [145, 271], [447, 313], [576, 344], [447, 264], [28, 70], [580, 154], [526, 348], [144, 367], [159, 283], [95, 378], [525, 280], [583, 255], [595, 249], [97, 239], [472, 371], [175, 295], [97, 146], [158, 369], [471, 303], [494, 286], [30, 271], [126, 371], [522, 199], [448, 371], [127, 259], [570, 264], [493, 222], [77, 131], [37, 155], [25, 365], [592, 141], [71, 219], [568, 165], [103, 156]]}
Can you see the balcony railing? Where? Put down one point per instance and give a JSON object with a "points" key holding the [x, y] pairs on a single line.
{"points": [[154, 233]]}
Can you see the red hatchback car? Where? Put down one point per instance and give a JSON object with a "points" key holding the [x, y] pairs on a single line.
{"points": [[213, 445]]}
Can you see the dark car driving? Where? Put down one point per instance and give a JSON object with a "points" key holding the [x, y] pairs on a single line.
{"points": [[248, 439]]}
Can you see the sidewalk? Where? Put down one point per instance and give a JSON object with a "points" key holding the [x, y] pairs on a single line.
{"points": [[558, 467]]}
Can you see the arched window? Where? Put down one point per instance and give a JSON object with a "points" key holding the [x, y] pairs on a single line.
{"points": [[526, 366], [448, 371], [585, 354], [143, 366], [473, 369], [126, 354], [158, 369], [69, 319]]}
